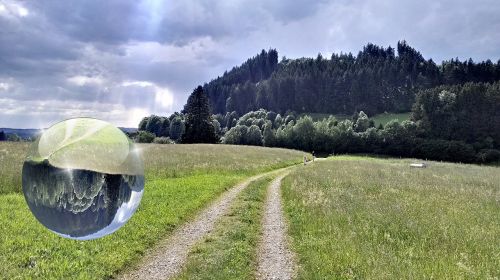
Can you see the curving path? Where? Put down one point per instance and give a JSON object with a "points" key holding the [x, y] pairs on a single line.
{"points": [[167, 259]]}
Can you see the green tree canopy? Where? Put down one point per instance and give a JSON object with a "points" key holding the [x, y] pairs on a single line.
{"points": [[176, 128]]}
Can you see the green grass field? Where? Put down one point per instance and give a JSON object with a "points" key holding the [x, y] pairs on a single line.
{"points": [[384, 118], [181, 179], [367, 218], [350, 217]]}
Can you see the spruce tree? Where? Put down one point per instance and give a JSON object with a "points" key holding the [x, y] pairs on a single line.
{"points": [[199, 126]]}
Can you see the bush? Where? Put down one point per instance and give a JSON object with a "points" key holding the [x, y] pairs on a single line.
{"points": [[269, 136], [163, 140], [144, 137], [305, 133], [435, 149], [236, 135], [488, 155], [254, 136], [13, 137]]}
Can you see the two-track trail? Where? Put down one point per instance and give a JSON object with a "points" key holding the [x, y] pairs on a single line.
{"points": [[167, 258]]}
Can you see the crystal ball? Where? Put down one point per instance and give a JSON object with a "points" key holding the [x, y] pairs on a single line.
{"points": [[83, 179]]}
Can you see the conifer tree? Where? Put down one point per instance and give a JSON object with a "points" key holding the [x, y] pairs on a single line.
{"points": [[199, 125]]}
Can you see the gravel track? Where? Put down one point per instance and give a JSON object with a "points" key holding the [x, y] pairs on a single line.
{"points": [[168, 257], [275, 260]]}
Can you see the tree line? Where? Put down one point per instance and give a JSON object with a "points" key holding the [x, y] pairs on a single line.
{"points": [[455, 106], [459, 123], [10, 137], [194, 124], [376, 80]]}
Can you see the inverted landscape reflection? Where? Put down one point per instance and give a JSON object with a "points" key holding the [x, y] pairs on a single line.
{"points": [[88, 184]]}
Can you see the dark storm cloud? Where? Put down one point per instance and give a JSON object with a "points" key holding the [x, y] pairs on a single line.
{"points": [[116, 21], [119, 60]]}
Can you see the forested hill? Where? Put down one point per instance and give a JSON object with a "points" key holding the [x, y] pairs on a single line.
{"points": [[376, 80]]}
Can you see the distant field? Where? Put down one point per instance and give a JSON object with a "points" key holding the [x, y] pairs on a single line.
{"points": [[320, 116], [181, 179], [366, 218], [172, 161], [383, 118]]}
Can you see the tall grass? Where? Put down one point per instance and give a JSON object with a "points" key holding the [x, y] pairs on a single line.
{"points": [[12, 156], [366, 218], [168, 161]]}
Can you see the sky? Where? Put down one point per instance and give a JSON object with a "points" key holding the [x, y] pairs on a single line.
{"points": [[119, 60]]}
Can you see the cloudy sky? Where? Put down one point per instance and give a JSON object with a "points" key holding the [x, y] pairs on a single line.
{"points": [[121, 60]]}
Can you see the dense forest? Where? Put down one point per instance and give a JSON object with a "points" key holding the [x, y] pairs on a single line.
{"points": [[453, 123], [455, 106], [377, 80], [458, 123]]}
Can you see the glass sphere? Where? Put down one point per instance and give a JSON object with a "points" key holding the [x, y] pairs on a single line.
{"points": [[83, 178]]}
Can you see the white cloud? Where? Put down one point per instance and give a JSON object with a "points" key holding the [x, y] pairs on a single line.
{"points": [[154, 52], [45, 114], [12, 9], [22, 11], [4, 86], [84, 80], [138, 83], [164, 98]]}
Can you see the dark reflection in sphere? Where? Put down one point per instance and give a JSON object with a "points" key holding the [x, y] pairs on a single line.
{"points": [[83, 179]]}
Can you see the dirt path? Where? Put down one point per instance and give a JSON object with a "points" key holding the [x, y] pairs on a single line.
{"points": [[168, 258], [275, 260]]}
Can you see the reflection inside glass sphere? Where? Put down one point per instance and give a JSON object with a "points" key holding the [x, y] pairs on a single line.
{"points": [[83, 179]]}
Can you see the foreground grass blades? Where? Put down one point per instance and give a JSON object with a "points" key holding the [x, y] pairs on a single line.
{"points": [[29, 251], [354, 217]]}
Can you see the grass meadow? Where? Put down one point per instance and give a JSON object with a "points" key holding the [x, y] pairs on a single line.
{"points": [[384, 118], [368, 218], [180, 180]]}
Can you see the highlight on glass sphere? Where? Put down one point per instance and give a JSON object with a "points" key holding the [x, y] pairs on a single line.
{"points": [[83, 178]]}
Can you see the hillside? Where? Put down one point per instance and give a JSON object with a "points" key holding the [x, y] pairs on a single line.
{"points": [[180, 181], [376, 80]]}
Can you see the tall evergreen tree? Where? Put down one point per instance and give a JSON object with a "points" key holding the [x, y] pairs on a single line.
{"points": [[199, 126], [2, 136]]}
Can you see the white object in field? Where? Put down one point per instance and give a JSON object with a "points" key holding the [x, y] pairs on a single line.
{"points": [[418, 165]]}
